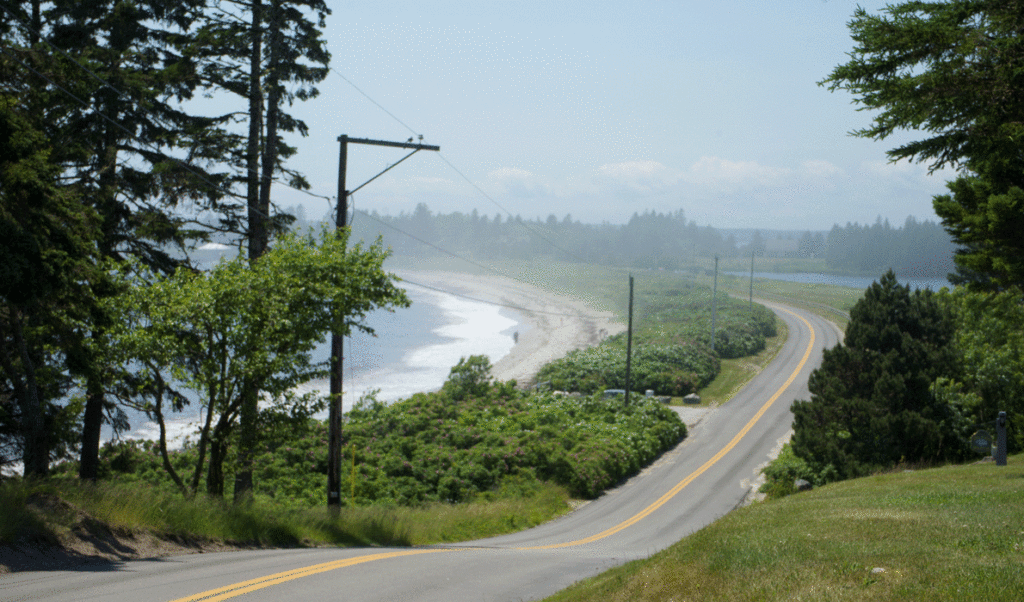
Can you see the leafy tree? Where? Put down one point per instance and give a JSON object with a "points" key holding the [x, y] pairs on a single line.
{"points": [[244, 326], [471, 377], [952, 69], [871, 402], [991, 347], [276, 55]]}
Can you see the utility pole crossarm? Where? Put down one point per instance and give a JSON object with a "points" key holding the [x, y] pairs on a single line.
{"points": [[337, 341], [389, 143]]}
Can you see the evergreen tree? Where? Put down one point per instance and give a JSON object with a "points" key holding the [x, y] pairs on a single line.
{"points": [[104, 79], [46, 262], [871, 403], [953, 69]]}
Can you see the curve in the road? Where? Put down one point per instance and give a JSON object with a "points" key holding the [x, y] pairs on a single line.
{"points": [[244, 587]]}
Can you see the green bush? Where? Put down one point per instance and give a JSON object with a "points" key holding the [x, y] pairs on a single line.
{"points": [[783, 471], [666, 369], [434, 447]]}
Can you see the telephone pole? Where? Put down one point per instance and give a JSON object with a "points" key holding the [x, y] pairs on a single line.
{"points": [[629, 340], [714, 305], [337, 337]]}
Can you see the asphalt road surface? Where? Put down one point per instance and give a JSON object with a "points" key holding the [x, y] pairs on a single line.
{"points": [[702, 479]]}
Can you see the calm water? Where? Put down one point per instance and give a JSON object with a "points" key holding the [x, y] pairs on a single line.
{"points": [[860, 282], [413, 351]]}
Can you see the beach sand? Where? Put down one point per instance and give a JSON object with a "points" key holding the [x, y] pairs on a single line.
{"points": [[557, 324]]}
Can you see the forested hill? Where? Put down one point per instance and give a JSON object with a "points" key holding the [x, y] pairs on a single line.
{"points": [[660, 240]]}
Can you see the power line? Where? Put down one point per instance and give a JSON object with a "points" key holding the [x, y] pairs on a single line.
{"points": [[458, 171], [469, 261], [507, 306], [377, 104], [433, 246], [122, 95], [507, 212]]}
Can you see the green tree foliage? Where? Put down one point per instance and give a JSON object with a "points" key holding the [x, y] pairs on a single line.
{"points": [[45, 262], [871, 401], [469, 378], [991, 347], [242, 327], [952, 69], [433, 448], [665, 369]]}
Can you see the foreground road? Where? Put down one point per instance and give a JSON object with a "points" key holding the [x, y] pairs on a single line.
{"points": [[689, 487]]}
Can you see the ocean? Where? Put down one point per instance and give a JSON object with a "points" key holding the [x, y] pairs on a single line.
{"points": [[413, 351]]}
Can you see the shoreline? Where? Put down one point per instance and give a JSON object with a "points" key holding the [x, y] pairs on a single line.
{"points": [[557, 324]]}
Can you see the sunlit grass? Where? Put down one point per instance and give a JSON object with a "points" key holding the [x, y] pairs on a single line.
{"points": [[45, 511], [736, 373], [947, 534]]}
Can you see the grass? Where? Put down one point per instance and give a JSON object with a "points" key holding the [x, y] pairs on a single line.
{"points": [[606, 288], [827, 300], [46, 512], [736, 373], [945, 534]]}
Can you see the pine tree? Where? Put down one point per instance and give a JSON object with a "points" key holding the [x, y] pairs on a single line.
{"points": [[871, 405]]}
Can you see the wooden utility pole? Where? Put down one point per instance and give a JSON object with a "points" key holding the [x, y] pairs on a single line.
{"points": [[752, 253], [629, 339], [714, 305], [337, 338]]}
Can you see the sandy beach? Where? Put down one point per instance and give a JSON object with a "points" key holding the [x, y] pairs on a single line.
{"points": [[557, 324]]}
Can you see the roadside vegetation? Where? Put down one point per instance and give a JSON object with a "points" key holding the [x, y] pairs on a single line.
{"points": [[944, 534], [48, 513], [475, 459]]}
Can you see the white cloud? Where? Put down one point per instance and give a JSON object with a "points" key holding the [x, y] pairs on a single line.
{"points": [[716, 171], [636, 177], [821, 168], [519, 183]]}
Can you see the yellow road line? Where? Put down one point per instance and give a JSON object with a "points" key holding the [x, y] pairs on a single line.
{"points": [[689, 479], [244, 587], [237, 589]]}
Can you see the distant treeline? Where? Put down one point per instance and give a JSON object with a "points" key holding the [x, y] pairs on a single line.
{"points": [[922, 249], [657, 240]]}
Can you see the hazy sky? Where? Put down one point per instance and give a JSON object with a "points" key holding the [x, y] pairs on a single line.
{"points": [[603, 109]]}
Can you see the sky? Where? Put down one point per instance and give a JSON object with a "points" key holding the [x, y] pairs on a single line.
{"points": [[601, 110]]}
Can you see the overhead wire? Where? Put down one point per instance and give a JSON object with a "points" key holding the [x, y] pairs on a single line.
{"points": [[461, 174], [331, 199], [122, 95]]}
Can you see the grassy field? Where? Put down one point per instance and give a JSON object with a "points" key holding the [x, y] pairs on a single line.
{"points": [[946, 534]]}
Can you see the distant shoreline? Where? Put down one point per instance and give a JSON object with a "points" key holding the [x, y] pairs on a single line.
{"points": [[558, 324]]}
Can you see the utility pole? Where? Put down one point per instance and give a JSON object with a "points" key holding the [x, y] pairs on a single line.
{"points": [[714, 305], [337, 337], [629, 338], [752, 253]]}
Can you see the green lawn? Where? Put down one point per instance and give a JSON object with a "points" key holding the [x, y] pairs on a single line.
{"points": [[952, 534]]}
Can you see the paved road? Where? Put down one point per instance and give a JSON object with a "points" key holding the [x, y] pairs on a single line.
{"points": [[705, 477]]}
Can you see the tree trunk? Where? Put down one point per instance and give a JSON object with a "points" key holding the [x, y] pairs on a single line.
{"points": [[215, 475], [92, 425], [36, 450], [107, 207], [259, 239]]}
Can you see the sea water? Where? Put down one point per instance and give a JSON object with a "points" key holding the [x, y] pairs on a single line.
{"points": [[412, 350]]}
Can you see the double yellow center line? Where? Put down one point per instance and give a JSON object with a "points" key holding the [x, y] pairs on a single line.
{"points": [[244, 587]]}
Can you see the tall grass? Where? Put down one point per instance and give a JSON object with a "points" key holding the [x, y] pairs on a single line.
{"points": [[45, 511]]}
